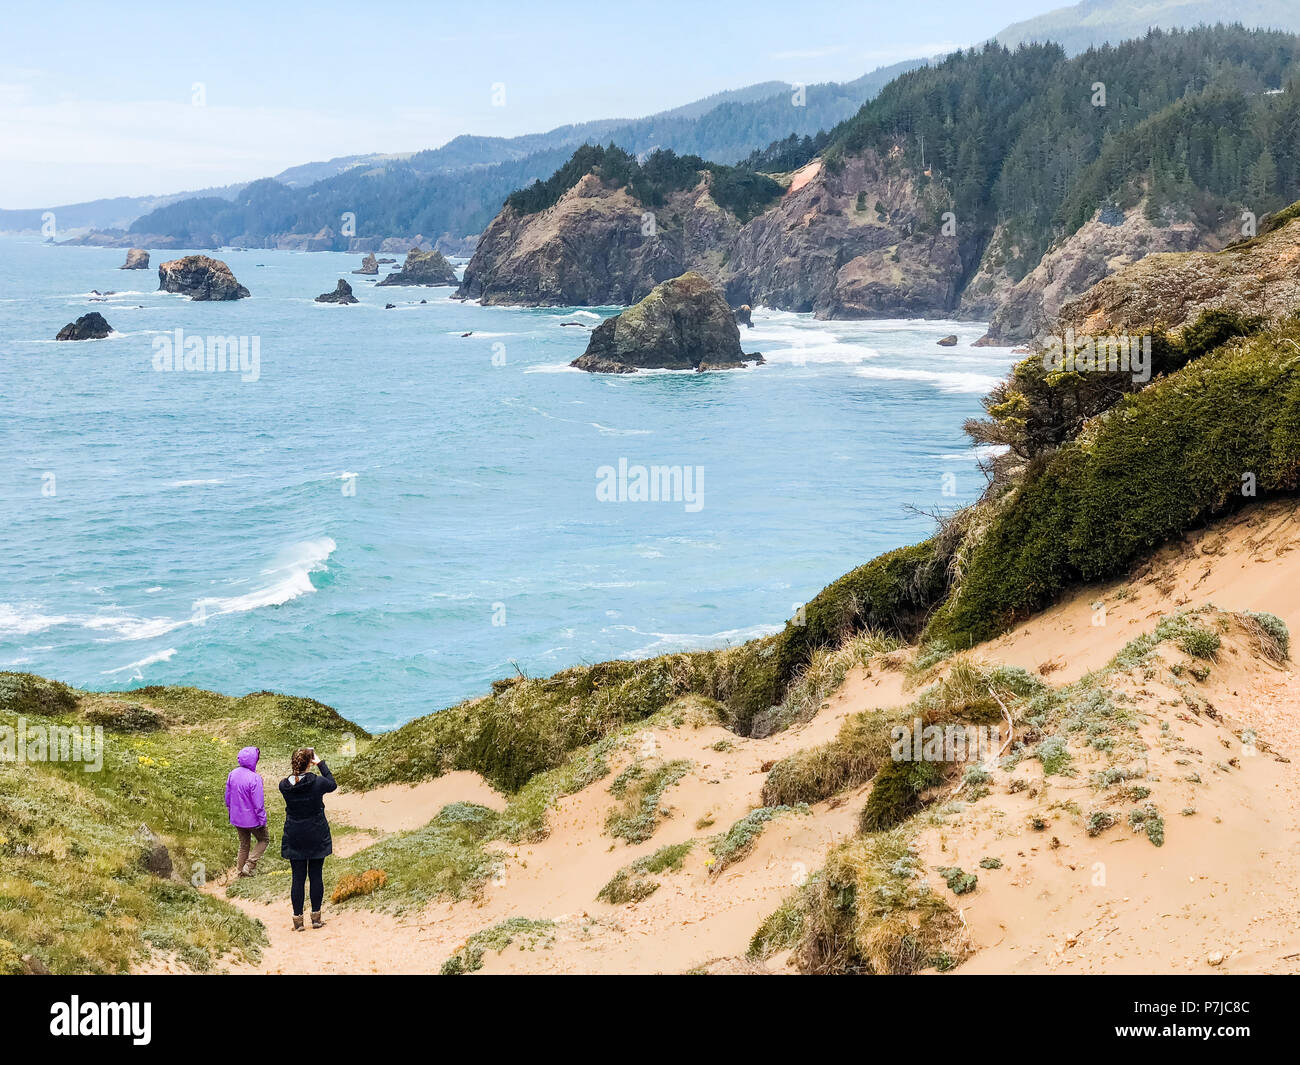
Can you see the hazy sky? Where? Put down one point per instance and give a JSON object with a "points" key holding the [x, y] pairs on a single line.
{"points": [[102, 99]]}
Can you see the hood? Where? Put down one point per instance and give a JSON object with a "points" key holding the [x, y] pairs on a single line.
{"points": [[248, 757]]}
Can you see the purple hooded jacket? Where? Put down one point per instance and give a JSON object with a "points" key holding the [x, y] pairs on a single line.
{"points": [[244, 792]]}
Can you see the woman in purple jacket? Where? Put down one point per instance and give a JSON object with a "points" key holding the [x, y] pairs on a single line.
{"points": [[247, 810]]}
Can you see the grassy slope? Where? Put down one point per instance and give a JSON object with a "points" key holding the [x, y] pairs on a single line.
{"points": [[74, 892]]}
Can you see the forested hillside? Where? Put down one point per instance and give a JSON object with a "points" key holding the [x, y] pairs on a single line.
{"points": [[1027, 138], [944, 194]]}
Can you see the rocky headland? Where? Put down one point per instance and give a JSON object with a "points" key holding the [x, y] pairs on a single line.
{"points": [[1110, 241], [1259, 277]]}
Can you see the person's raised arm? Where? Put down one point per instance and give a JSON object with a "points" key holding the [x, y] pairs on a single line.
{"points": [[327, 778]]}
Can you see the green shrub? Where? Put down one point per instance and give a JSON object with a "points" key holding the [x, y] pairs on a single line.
{"points": [[734, 844], [865, 913], [1154, 465], [637, 881], [25, 693], [1147, 819], [780, 930], [470, 957], [1201, 644], [641, 787], [1037, 409], [1276, 637], [1099, 821], [1054, 755], [896, 793], [816, 773], [124, 717], [892, 594]]}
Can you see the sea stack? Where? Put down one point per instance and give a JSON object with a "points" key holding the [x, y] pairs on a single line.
{"points": [[683, 324], [200, 278], [369, 265], [90, 326], [342, 294], [136, 259], [423, 268]]}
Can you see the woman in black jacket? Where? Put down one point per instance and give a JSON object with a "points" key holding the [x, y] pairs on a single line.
{"points": [[306, 841]]}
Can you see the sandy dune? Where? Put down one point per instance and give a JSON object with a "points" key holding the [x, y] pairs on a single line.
{"points": [[1218, 896]]}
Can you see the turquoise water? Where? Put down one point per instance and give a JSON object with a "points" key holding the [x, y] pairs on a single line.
{"points": [[391, 515]]}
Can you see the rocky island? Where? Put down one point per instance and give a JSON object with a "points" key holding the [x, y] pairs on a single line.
{"points": [[90, 326], [683, 324], [200, 278], [136, 259], [369, 265], [342, 294], [423, 268]]}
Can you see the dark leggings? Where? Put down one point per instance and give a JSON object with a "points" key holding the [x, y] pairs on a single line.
{"points": [[301, 868]]}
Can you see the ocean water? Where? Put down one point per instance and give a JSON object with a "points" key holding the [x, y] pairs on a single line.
{"points": [[393, 514]]}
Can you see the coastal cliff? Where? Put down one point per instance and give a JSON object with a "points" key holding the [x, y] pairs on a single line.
{"points": [[598, 245], [1260, 276], [1110, 241], [854, 241]]}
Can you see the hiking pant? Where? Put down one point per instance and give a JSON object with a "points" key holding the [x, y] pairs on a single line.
{"points": [[301, 868], [246, 836]]}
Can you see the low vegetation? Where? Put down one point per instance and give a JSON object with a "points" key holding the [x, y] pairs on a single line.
{"points": [[640, 789], [445, 858], [640, 880], [736, 843], [869, 911], [530, 934], [99, 869]]}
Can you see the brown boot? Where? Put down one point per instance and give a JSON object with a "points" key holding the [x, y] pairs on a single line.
{"points": [[250, 868], [297, 924], [316, 922]]}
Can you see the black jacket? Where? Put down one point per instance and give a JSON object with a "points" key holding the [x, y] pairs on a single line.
{"points": [[306, 832]]}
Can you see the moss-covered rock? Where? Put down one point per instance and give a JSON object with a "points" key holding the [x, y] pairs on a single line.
{"points": [[683, 324]]}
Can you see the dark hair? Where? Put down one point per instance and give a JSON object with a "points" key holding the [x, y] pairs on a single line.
{"points": [[301, 760]]}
